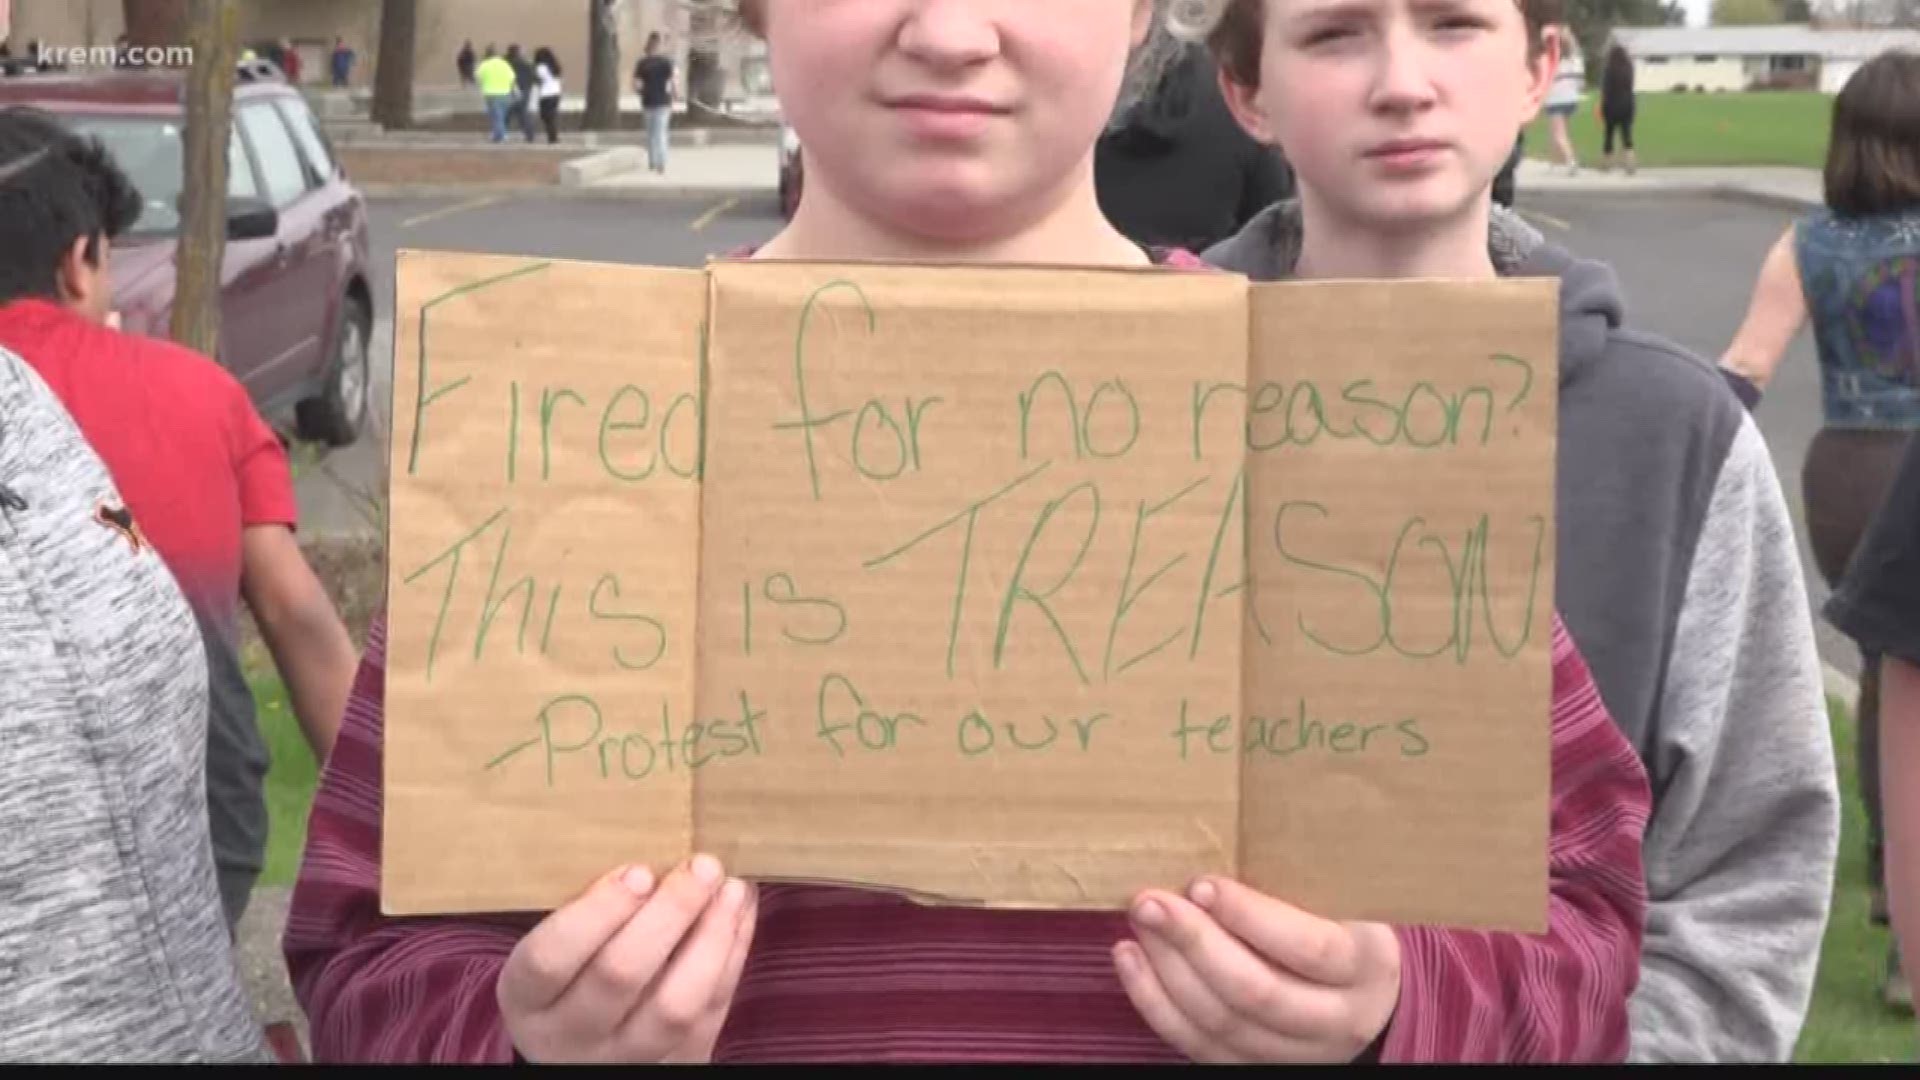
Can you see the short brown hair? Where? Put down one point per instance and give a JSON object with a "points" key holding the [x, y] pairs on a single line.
{"points": [[1873, 155], [1236, 39]]}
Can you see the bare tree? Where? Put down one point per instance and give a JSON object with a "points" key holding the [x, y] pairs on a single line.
{"points": [[393, 69], [603, 66], [213, 32]]}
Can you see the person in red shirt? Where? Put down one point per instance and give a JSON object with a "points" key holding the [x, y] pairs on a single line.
{"points": [[684, 964], [204, 476]]}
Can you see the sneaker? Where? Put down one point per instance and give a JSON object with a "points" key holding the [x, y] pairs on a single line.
{"points": [[1895, 991]]}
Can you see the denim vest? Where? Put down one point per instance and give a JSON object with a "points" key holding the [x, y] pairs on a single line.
{"points": [[1861, 277]]}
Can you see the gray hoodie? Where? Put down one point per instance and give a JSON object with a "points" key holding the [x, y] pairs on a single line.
{"points": [[1681, 582], [112, 944]]}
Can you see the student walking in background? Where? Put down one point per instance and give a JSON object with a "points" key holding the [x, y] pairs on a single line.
{"points": [[653, 81], [1564, 95], [1617, 106], [524, 108], [341, 62], [546, 80], [1852, 270], [496, 80]]}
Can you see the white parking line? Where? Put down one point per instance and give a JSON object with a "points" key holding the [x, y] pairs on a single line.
{"points": [[713, 215], [449, 211], [1547, 219]]}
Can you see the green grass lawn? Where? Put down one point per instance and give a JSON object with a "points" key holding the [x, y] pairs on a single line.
{"points": [[290, 780], [1767, 128], [1847, 1023]]}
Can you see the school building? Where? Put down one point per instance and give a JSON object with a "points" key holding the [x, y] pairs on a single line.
{"points": [[1733, 58]]}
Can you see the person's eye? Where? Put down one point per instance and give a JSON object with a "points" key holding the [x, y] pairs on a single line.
{"points": [[1327, 35], [1462, 23]]}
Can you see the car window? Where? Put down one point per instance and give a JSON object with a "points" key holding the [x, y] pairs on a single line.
{"points": [[240, 181], [311, 144], [280, 169], [149, 152]]}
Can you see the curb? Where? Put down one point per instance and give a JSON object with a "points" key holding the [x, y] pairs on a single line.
{"points": [[1723, 189], [1771, 199], [556, 191]]}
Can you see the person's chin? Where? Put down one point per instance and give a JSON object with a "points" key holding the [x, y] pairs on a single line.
{"points": [[945, 203], [1401, 207]]}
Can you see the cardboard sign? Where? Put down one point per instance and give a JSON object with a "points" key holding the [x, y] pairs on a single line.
{"points": [[1019, 587]]}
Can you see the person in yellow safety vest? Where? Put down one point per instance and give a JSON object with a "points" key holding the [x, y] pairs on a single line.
{"points": [[496, 78]]}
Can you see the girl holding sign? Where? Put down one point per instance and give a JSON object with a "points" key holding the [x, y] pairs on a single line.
{"points": [[962, 131]]}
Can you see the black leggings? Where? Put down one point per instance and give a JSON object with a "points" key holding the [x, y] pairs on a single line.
{"points": [[550, 116], [1622, 124]]}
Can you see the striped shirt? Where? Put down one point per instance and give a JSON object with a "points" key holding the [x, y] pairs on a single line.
{"points": [[849, 975]]}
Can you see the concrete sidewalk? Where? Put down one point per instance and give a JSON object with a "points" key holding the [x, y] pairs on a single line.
{"points": [[1792, 188], [717, 170]]}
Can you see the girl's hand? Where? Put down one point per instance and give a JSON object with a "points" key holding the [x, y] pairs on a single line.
{"points": [[1232, 975], [630, 972]]}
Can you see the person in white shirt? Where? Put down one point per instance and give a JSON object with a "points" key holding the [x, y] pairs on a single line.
{"points": [[1569, 87], [546, 79]]}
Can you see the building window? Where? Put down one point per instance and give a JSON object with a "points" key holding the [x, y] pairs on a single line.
{"points": [[1706, 58]]}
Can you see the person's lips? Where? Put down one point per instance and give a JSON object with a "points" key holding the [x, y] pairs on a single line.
{"points": [[1407, 153], [946, 116]]}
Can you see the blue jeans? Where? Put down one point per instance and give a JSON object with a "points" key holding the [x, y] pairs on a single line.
{"points": [[497, 106], [659, 119]]}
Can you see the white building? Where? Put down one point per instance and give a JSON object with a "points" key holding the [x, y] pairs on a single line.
{"points": [[1711, 58]]}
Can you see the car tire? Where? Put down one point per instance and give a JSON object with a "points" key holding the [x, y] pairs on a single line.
{"points": [[336, 416]]}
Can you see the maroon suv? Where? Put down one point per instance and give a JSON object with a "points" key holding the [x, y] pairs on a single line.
{"points": [[296, 308]]}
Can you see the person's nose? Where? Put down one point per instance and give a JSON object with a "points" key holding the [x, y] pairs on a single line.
{"points": [[951, 33], [1403, 77]]}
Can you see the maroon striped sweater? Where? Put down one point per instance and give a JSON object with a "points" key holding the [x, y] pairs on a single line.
{"points": [[840, 975]]}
